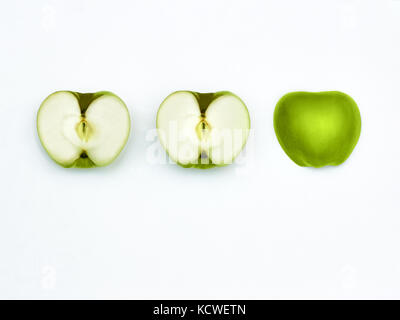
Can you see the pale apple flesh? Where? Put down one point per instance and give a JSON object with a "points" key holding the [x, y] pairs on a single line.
{"points": [[83, 130], [203, 130], [317, 129]]}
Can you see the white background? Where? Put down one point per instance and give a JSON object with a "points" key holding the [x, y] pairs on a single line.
{"points": [[264, 228]]}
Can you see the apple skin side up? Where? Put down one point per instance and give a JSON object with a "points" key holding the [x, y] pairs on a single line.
{"points": [[84, 102], [203, 102], [317, 129]]}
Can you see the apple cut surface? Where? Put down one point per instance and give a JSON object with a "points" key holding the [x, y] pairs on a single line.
{"points": [[176, 122], [57, 116], [111, 124], [203, 130], [229, 123], [83, 130]]}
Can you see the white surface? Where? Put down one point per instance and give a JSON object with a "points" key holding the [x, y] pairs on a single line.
{"points": [[264, 229]]}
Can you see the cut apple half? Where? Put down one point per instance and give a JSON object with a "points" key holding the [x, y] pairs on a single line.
{"points": [[203, 130], [83, 129]]}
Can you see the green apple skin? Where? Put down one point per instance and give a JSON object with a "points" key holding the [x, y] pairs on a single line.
{"points": [[84, 99], [204, 100], [317, 129]]}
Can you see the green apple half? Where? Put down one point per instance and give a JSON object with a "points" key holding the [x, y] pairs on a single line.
{"points": [[317, 129], [83, 130], [203, 130]]}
